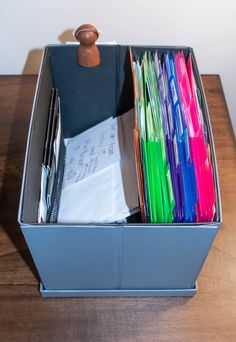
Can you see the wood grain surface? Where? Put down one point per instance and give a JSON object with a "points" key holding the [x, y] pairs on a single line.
{"points": [[25, 316]]}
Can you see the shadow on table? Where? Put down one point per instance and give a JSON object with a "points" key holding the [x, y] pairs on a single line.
{"points": [[16, 124]]}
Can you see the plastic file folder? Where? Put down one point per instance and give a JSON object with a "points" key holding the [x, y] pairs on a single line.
{"points": [[176, 170], [159, 196]]}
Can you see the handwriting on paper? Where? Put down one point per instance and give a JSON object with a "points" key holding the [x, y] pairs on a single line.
{"points": [[91, 151]]}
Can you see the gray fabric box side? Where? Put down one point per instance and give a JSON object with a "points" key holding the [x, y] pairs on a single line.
{"points": [[30, 190]]}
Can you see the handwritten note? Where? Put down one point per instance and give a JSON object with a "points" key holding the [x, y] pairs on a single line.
{"points": [[100, 184], [91, 151]]}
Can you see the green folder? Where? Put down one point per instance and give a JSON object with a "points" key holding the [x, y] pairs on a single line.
{"points": [[159, 195]]}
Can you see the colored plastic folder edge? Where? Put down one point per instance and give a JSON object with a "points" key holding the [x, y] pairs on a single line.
{"points": [[136, 133], [146, 149]]}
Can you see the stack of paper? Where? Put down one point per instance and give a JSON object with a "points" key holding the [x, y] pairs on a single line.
{"points": [[100, 183], [174, 170]]}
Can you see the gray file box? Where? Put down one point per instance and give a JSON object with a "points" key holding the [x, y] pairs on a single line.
{"points": [[131, 259]]}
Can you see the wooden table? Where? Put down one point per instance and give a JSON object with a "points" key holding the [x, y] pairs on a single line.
{"points": [[25, 316]]}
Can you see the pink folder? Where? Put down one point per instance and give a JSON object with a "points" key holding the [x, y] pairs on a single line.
{"points": [[198, 145]]}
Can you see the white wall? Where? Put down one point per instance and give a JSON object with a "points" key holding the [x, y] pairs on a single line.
{"points": [[209, 26]]}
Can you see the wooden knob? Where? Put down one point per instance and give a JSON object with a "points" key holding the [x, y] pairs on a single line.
{"points": [[88, 54]]}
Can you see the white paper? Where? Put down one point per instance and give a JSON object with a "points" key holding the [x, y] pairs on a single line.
{"points": [[87, 201], [91, 151], [42, 211], [100, 183], [56, 143], [113, 42]]}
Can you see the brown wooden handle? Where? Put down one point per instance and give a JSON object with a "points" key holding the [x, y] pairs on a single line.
{"points": [[88, 54]]}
